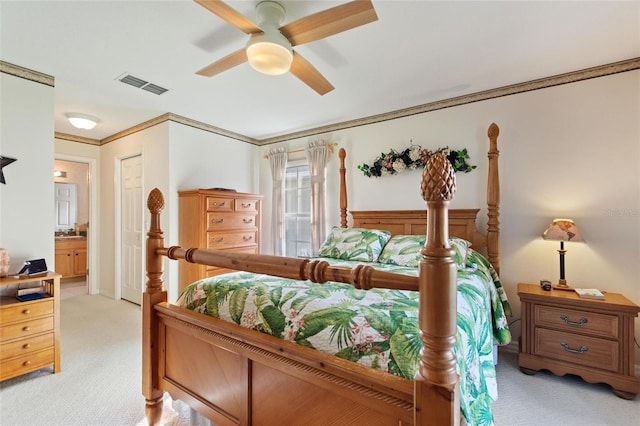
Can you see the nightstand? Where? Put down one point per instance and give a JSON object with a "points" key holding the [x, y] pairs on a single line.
{"points": [[567, 334]]}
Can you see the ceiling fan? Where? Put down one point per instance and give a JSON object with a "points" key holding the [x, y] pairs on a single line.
{"points": [[270, 46]]}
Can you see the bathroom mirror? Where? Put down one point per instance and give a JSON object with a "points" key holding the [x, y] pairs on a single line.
{"points": [[66, 206]]}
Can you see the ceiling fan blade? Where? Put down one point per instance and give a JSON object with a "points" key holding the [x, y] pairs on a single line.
{"points": [[230, 15], [329, 22], [309, 75], [236, 58]]}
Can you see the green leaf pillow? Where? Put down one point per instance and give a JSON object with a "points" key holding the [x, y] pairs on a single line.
{"points": [[405, 250], [354, 244]]}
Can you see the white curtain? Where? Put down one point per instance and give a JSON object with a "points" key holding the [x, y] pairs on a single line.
{"points": [[278, 162], [317, 156]]}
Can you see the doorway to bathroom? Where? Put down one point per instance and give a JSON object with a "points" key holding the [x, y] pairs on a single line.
{"points": [[73, 232]]}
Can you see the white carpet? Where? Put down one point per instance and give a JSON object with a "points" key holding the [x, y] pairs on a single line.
{"points": [[100, 382]]}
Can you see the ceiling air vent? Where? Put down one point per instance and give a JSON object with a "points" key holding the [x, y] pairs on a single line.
{"points": [[141, 84], [154, 89]]}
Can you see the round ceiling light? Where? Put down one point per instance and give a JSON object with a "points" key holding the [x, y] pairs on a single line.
{"points": [[269, 53], [82, 121]]}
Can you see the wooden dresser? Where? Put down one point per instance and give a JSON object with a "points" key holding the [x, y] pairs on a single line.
{"points": [[29, 331], [567, 334], [217, 219]]}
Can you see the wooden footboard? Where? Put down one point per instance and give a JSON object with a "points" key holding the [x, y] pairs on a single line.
{"points": [[235, 376]]}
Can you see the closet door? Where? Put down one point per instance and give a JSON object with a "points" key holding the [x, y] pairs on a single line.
{"points": [[132, 263]]}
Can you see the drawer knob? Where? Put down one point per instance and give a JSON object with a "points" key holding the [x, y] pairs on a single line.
{"points": [[220, 204], [26, 328], [582, 321], [214, 220], [217, 240], [247, 238], [246, 205], [26, 346], [566, 347], [26, 312], [245, 220], [26, 363]]}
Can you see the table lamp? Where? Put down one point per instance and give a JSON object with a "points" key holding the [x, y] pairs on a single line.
{"points": [[562, 230]]}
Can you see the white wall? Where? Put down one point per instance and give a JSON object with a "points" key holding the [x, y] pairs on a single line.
{"points": [[566, 151], [26, 201], [199, 159], [153, 144], [175, 157]]}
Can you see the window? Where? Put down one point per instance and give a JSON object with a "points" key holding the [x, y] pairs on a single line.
{"points": [[297, 211]]}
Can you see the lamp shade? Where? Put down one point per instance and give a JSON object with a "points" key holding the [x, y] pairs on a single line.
{"points": [[82, 121], [269, 53], [562, 230]]}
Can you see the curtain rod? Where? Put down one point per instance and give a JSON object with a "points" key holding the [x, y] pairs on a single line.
{"points": [[330, 147]]}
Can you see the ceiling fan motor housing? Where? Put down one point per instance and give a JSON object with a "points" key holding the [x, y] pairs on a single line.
{"points": [[269, 52]]}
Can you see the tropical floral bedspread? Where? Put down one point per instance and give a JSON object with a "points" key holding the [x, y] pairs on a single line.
{"points": [[377, 328]]}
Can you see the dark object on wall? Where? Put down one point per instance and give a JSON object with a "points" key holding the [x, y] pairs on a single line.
{"points": [[4, 161]]}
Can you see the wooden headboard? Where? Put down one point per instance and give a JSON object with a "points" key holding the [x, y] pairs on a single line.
{"points": [[462, 223]]}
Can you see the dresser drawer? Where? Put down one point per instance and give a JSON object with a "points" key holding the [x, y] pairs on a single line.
{"points": [[25, 328], [26, 345], [219, 204], [246, 206], [575, 320], [24, 364], [216, 221], [214, 270], [25, 311], [218, 240], [577, 349]]}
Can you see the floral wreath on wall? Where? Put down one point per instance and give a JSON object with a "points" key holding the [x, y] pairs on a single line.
{"points": [[412, 158]]}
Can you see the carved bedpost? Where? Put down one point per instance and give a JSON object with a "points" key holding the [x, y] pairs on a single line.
{"points": [[493, 199], [153, 295], [437, 393], [343, 189]]}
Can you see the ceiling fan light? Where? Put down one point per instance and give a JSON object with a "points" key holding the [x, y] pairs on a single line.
{"points": [[82, 121], [269, 54]]}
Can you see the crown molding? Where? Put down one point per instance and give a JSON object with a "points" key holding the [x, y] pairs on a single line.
{"points": [[27, 74], [542, 83], [74, 138]]}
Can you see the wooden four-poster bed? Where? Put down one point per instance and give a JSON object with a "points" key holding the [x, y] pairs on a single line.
{"points": [[235, 375]]}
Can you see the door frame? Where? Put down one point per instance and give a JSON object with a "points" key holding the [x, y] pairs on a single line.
{"points": [[92, 231], [117, 172]]}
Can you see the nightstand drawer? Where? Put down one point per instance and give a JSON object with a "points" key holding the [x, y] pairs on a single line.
{"points": [[577, 321], [26, 328], [577, 349], [26, 345]]}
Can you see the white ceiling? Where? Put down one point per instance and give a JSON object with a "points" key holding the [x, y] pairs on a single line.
{"points": [[417, 52]]}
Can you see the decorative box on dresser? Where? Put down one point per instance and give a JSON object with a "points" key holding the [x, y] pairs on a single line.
{"points": [[217, 219], [568, 334], [29, 331]]}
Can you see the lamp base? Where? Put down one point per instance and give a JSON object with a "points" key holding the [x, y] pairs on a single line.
{"points": [[562, 285]]}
